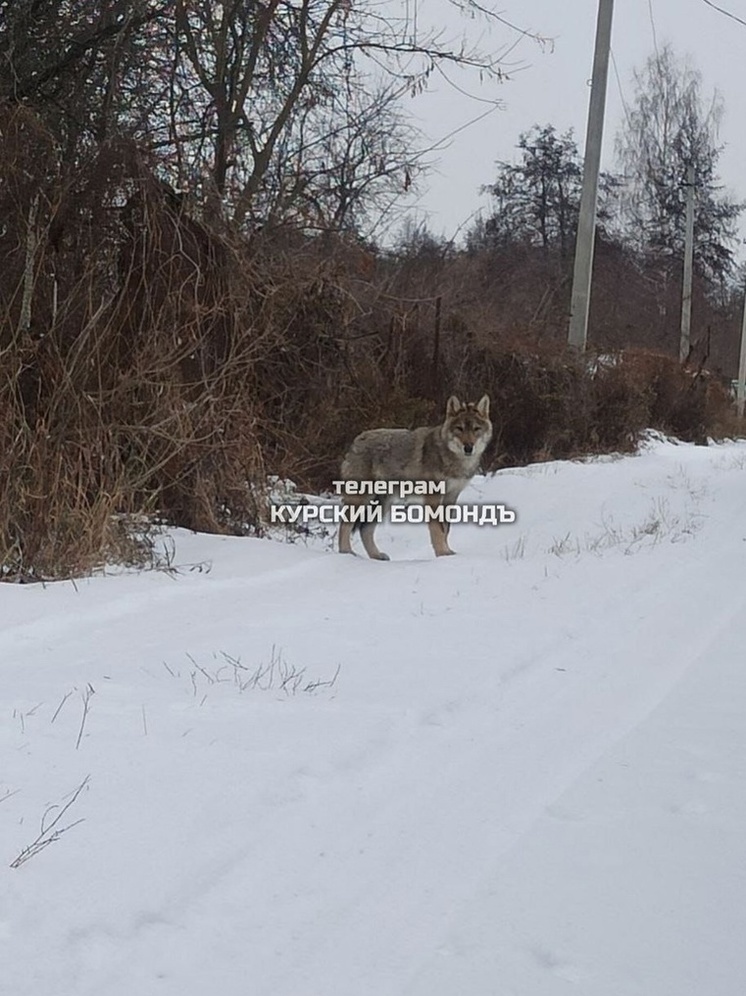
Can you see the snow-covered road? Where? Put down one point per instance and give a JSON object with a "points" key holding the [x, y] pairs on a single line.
{"points": [[520, 771]]}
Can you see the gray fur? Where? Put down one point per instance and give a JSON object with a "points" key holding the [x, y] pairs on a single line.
{"points": [[448, 452]]}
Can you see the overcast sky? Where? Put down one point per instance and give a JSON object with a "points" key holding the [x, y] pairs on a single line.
{"points": [[551, 87]]}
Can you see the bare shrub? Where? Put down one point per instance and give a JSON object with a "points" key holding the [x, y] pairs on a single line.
{"points": [[139, 359], [688, 403]]}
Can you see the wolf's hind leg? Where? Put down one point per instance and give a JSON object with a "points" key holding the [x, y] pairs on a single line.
{"points": [[345, 537]]}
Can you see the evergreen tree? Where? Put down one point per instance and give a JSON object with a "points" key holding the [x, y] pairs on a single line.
{"points": [[535, 201]]}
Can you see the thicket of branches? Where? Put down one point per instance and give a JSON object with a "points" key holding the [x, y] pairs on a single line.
{"points": [[190, 298]]}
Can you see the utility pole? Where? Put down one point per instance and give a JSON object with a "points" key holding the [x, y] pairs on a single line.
{"points": [[581, 280], [741, 384], [686, 294]]}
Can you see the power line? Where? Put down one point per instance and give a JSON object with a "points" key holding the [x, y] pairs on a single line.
{"points": [[625, 108], [727, 13], [652, 26]]}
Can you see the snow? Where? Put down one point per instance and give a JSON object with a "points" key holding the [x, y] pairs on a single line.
{"points": [[514, 772]]}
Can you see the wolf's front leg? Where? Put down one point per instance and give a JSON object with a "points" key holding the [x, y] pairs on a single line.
{"points": [[366, 534], [439, 538]]}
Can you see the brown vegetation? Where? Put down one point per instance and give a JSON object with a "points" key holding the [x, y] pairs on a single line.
{"points": [[155, 370]]}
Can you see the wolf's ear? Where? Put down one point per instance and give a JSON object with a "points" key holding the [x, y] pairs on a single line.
{"points": [[453, 407], [483, 406]]}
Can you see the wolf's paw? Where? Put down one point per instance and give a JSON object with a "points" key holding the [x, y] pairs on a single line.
{"points": [[380, 556], [445, 553]]}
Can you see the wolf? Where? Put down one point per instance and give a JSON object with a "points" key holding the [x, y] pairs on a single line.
{"points": [[447, 453]]}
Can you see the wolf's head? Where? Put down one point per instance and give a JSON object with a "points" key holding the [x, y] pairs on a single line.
{"points": [[467, 427]]}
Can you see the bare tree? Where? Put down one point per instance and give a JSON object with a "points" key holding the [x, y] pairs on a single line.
{"points": [[279, 82], [331, 171], [259, 109], [69, 61], [671, 125]]}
